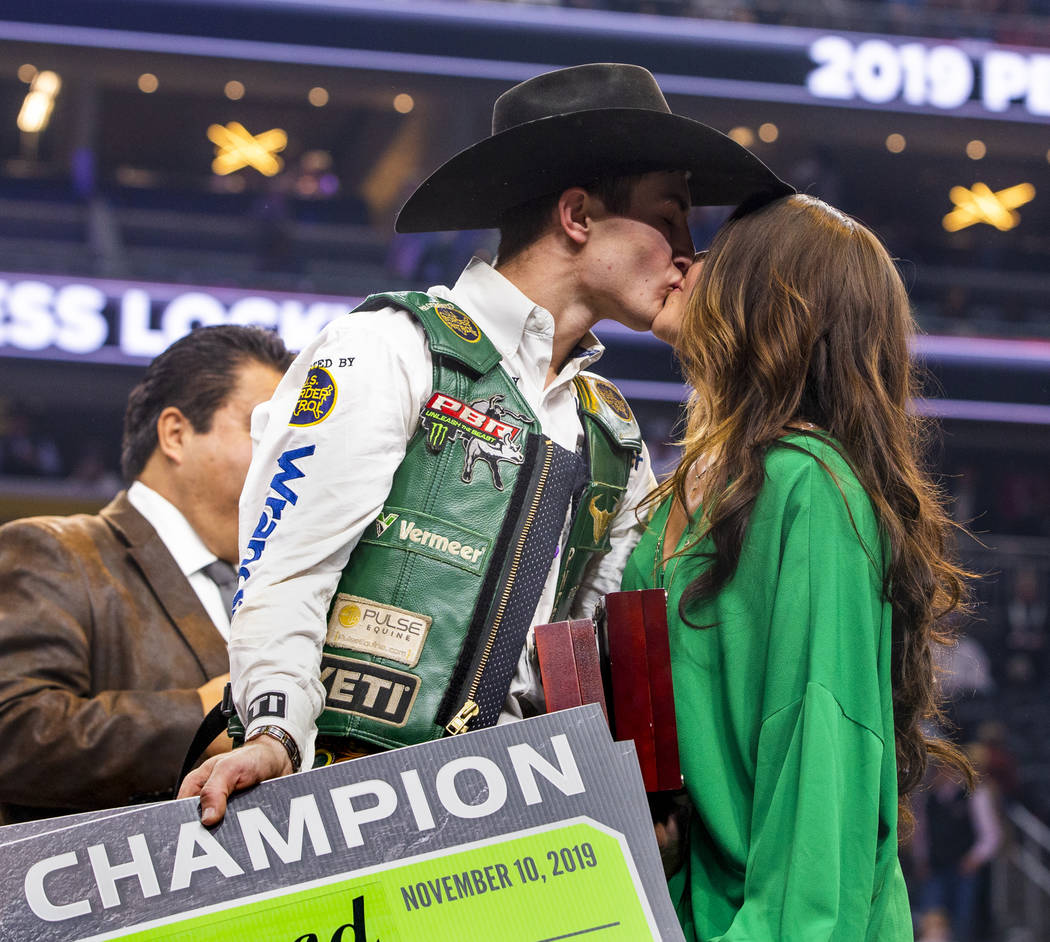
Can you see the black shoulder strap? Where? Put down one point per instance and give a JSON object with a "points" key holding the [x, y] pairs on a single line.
{"points": [[213, 723]]}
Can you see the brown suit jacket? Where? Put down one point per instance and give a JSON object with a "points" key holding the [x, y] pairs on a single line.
{"points": [[103, 643]]}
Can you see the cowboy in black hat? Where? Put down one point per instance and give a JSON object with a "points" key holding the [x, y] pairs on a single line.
{"points": [[401, 534]]}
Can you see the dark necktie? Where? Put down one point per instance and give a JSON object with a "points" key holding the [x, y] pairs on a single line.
{"points": [[225, 577]]}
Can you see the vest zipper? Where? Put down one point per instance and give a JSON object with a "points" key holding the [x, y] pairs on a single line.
{"points": [[469, 710]]}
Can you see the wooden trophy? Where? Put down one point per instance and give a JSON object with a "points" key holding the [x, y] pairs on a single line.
{"points": [[633, 681]]}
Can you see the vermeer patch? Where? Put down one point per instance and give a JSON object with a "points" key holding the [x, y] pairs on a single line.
{"points": [[316, 398], [370, 690], [417, 532], [359, 624]]}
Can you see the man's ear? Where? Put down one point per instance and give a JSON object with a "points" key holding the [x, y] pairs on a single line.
{"points": [[576, 207], [172, 430]]}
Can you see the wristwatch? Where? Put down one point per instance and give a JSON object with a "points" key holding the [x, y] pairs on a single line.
{"points": [[284, 738]]}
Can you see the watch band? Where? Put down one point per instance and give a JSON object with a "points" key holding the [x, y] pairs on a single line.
{"points": [[284, 738]]}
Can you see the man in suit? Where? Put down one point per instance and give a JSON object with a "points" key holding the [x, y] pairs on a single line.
{"points": [[113, 626]]}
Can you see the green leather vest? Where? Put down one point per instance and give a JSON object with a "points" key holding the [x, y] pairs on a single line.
{"points": [[432, 608]]}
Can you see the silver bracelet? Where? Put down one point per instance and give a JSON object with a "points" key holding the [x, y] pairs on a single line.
{"points": [[284, 738]]}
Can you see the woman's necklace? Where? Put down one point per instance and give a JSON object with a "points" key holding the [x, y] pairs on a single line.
{"points": [[696, 481], [677, 522]]}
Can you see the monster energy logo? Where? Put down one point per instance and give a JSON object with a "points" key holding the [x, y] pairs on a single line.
{"points": [[437, 435]]}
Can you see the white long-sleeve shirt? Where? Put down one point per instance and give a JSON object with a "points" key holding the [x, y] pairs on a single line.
{"points": [[311, 490]]}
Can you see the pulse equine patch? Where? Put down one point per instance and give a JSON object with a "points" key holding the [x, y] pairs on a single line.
{"points": [[363, 689], [316, 398], [359, 624]]}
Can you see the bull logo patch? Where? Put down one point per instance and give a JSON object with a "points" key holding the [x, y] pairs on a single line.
{"points": [[599, 519], [480, 426], [611, 397], [458, 322], [316, 398]]}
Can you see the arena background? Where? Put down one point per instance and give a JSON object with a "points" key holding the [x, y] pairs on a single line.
{"points": [[122, 225]]}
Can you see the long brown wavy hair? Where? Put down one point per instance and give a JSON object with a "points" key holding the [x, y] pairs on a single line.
{"points": [[799, 316]]}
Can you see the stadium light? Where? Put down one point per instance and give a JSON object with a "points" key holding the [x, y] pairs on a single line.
{"points": [[39, 102], [980, 204], [237, 147]]}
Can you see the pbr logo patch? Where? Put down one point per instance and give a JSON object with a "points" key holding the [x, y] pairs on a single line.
{"points": [[611, 397], [481, 429], [316, 398], [359, 624], [458, 322], [370, 690]]}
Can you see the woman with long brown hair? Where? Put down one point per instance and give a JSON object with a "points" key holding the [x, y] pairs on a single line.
{"points": [[806, 559]]}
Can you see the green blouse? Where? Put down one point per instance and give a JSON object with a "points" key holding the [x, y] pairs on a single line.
{"points": [[785, 716]]}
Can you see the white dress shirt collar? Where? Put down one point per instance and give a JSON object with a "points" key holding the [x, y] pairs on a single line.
{"points": [[172, 527], [505, 315], [188, 550]]}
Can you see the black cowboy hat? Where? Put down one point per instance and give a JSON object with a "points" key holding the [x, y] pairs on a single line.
{"points": [[567, 128]]}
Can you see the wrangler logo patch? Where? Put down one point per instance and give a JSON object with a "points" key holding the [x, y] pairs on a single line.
{"points": [[278, 498], [417, 532], [316, 398], [359, 624], [369, 690]]}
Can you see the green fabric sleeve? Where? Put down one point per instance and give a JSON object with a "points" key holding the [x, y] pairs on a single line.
{"points": [[811, 860], [811, 865]]}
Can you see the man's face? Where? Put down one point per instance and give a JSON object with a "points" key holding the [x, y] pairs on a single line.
{"points": [[216, 462], [636, 260]]}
